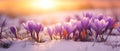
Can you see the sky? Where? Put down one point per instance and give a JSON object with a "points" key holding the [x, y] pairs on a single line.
{"points": [[47, 6]]}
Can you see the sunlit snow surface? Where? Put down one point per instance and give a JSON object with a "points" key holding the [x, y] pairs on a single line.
{"points": [[64, 45]]}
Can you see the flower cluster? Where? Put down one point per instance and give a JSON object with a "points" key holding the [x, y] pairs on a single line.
{"points": [[34, 29], [87, 27], [83, 28]]}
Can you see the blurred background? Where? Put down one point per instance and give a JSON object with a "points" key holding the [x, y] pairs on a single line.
{"points": [[41, 10]]}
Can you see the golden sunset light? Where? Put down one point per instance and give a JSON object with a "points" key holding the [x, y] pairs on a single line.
{"points": [[43, 4], [47, 6]]}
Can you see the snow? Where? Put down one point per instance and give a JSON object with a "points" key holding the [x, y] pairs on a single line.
{"points": [[62, 45]]}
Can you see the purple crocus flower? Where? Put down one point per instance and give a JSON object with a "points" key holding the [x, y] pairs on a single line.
{"points": [[58, 28], [69, 29], [38, 28], [100, 17], [74, 23], [89, 15], [29, 26], [33, 27], [98, 25], [14, 31], [85, 22], [50, 31], [110, 22], [79, 26]]}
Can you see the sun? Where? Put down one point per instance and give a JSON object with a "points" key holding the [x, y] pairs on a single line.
{"points": [[43, 4], [46, 4]]}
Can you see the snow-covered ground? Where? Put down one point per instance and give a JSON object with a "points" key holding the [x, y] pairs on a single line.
{"points": [[65, 45]]}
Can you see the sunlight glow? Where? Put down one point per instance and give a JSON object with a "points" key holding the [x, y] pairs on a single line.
{"points": [[43, 4]]}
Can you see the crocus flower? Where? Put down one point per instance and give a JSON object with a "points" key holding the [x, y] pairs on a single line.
{"points": [[38, 28], [100, 17], [82, 28], [58, 28], [74, 23], [33, 28], [29, 26], [14, 31], [98, 25], [110, 22], [79, 25], [69, 29], [85, 22], [89, 15], [78, 28], [50, 31]]}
